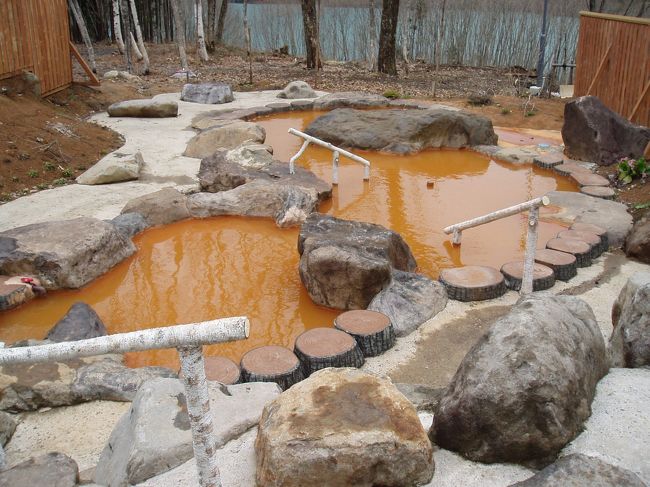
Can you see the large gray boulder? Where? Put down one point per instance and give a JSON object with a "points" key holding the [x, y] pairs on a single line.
{"points": [[410, 300], [227, 136], [8, 424], [27, 387], [154, 436], [143, 109], [342, 427], [287, 205], [159, 208], [113, 168], [637, 244], [525, 388], [344, 264], [403, 131], [350, 99], [51, 470], [228, 169], [208, 93], [297, 89], [63, 254], [582, 471], [578, 207], [592, 132], [79, 323], [130, 224], [630, 340]]}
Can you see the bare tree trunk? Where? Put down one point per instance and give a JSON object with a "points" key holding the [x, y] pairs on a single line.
{"points": [[117, 30], [405, 35], [138, 34], [223, 11], [310, 27], [134, 47], [81, 23], [212, 21], [126, 18], [200, 32], [247, 36], [438, 51], [387, 34], [180, 33], [373, 35]]}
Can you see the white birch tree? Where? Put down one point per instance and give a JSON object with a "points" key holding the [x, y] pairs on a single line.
{"points": [[81, 23], [117, 29], [200, 32], [179, 27], [138, 34]]}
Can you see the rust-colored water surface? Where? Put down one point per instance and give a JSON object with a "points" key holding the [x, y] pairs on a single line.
{"points": [[203, 269]]}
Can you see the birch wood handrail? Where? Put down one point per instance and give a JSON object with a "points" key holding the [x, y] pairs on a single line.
{"points": [[188, 340], [337, 151], [532, 207]]}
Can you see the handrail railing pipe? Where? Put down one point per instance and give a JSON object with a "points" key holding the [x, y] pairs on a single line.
{"points": [[532, 207], [337, 152], [188, 340]]}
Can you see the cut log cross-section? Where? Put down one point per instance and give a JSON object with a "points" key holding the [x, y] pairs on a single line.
{"points": [[473, 283], [603, 192], [320, 348], [543, 276], [549, 160], [591, 228], [569, 167], [579, 249], [591, 238], [272, 363], [564, 265], [220, 369], [372, 330]]}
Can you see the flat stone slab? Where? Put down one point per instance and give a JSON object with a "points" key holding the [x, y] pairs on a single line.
{"points": [[473, 283], [143, 109], [570, 167], [564, 265], [604, 192], [588, 179], [579, 249], [543, 276], [353, 99]]}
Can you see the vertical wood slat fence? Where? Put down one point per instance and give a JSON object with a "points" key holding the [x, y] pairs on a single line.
{"points": [[613, 63], [35, 36]]}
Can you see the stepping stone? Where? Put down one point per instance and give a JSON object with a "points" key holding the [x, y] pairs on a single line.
{"points": [[220, 369], [279, 107], [591, 228], [564, 265], [581, 250], [591, 238], [543, 276], [549, 160], [372, 330], [272, 364], [589, 179], [568, 168], [599, 192], [320, 348], [473, 283], [13, 295]]}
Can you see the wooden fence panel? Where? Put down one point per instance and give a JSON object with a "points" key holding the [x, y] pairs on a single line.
{"points": [[34, 36], [613, 63]]}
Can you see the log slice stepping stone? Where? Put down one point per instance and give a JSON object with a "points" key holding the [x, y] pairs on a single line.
{"points": [[220, 369], [603, 192], [588, 179], [567, 168], [543, 276], [473, 283], [372, 330], [320, 348], [579, 249], [548, 161], [591, 228], [564, 265], [272, 363], [591, 238]]}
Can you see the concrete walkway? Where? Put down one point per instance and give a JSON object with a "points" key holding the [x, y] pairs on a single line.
{"points": [[161, 141]]}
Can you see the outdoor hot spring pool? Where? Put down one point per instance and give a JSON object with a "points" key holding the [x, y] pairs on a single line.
{"points": [[197, 270]]}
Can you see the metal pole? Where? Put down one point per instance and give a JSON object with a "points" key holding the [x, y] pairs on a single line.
{"points": [[542, 48], [201, 421], [529, 258]]}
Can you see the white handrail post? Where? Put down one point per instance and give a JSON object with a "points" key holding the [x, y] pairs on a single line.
{"points": [[335, 167], [458, 234], [198, 410], [529, 258], [292, 168], [366, 173]]}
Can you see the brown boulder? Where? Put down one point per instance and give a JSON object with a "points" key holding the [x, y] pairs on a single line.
{"points": [[637, 244]]}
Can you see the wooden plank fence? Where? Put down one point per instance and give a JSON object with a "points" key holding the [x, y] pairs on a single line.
{"points": [[613, 63], [35, 36]]}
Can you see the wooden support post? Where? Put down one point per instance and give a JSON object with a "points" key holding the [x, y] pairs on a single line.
{"points": [[638, 102], [94, 81], [531, 246], [198, 409], [600, 68]]}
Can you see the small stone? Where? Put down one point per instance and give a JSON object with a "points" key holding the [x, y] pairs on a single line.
{"points": [[143, 109], [207, 93], [79, 323], [297, 89], [637, 244]]}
